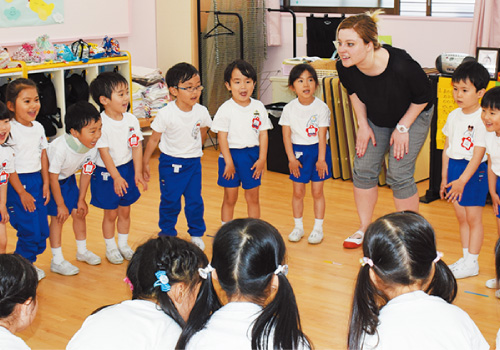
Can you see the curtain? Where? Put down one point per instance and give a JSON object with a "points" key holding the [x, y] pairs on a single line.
{"points": [[486, 26], [220, 50]]}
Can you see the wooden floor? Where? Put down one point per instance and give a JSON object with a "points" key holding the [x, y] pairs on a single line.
{"points": [[322, 276]]}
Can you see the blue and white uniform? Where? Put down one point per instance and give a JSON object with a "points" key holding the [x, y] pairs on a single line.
{"points": [[304, 123], [119, 136], [180, 166], [65, 161], [493, 149], [32, 228], [464, 132], [243, 126]]}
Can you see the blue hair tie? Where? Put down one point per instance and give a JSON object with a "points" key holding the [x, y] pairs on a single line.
{"points": [[162, 281]]}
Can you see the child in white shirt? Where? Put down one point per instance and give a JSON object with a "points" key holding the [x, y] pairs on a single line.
{"points": [[180, 128], [404, 291], [464, 171], [68, 154], [241, 123]]}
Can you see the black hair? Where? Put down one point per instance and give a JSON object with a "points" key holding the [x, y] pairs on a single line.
{"points": [[79, 115], [178, 258], [18, 282], [180, 73], [244, 67], [402, 247], [4, 112], [105, 84], [298, 70], [14, 88], [246, 253], [473, 71], [491, 98]]}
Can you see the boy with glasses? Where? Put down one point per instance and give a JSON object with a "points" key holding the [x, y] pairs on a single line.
{"points": [[180, 128]]}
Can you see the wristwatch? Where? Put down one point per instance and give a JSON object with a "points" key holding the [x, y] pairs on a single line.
{"points": [[401, 128]]}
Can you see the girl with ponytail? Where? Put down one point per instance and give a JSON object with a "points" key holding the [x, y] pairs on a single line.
{"points": [[261, 313], [164, 280], [403, 294]]}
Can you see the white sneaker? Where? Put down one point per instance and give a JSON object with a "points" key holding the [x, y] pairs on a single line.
{"points": [[88, 257], [456, 264], [466, 269], [492, 283], [114, 256], [296, 235], [40, 273], [354, 241], [65, 268], [198, 242], [126, 252], [315, 237]]}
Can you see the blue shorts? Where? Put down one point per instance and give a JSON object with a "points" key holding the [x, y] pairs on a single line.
{"points": [[32, 227], [70, 193], [307, 155], [498, 191], [476, 189], [103, 190], [243, 160]]}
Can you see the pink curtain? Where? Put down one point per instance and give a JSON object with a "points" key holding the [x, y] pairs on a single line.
{"points": [[486, 26], [273, 24]]}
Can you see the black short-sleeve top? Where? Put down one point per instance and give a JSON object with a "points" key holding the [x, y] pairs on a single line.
{"points": [[388, 96]]}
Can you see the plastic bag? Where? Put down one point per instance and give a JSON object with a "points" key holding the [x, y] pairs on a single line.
{"points": [[45, 49], [81, 50], [97, 51], [26, 53], [64, 53], [112, 46], [4, 58]]}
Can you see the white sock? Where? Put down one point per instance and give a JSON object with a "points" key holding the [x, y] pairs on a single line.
{"points": [[299, 224], [466, 252], [110, 243], [318, 225], [57, 255], [122, 240], [81, 246], [472, 258]]}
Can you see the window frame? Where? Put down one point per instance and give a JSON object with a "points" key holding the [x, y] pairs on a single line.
{"points": [[353, 10]]}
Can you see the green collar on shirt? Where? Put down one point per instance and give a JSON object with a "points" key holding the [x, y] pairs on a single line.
{"points": [[75, 144]]}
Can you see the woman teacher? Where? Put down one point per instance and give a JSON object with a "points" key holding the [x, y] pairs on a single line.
{"points": [[392, 98]]}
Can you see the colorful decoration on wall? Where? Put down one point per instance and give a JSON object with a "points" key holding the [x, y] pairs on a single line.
{"points": [[28, 13]]}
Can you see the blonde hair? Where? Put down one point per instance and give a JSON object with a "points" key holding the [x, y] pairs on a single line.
{"points": [[365, 24]]}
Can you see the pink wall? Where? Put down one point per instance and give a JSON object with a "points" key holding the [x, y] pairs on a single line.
{"points": [[424, 38]]}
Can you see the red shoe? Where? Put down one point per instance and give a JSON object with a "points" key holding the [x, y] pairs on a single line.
{"points": [[352, 242]]}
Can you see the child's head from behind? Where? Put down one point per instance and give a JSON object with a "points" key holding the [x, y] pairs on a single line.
{"points": [[166, 269], [469, 80], [184, 82], [303, 80], [240, 78], [22, 100], [110, 91], [5, 117], [246, 253], [490, 114], [400, 256], [18, 283], [83, 121]]}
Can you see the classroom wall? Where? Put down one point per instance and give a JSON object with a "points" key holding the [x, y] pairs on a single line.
{"points": [[423, 37]]}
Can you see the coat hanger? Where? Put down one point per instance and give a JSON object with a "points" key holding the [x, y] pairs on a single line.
{"points": [[218, 25]]}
